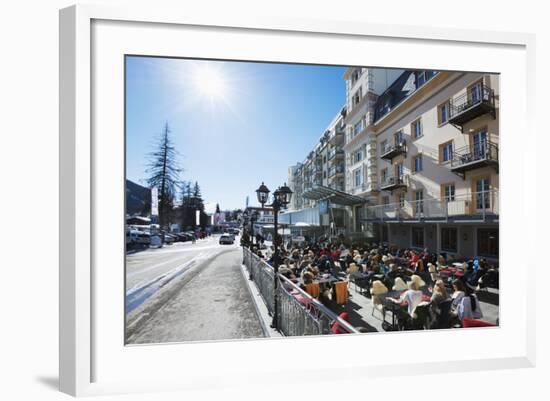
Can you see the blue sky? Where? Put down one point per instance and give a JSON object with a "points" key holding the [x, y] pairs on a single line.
{"points": [[234, 124]]}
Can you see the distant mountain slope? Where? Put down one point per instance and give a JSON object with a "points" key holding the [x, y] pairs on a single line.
{"points": [[138, 199]]}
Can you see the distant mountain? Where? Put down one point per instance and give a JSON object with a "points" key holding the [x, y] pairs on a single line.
{"points": [[138, 199]]}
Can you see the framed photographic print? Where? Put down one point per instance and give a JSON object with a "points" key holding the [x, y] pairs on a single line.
{"points": [[235, 191]]}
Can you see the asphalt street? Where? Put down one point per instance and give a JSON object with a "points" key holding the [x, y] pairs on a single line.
{"points": [[193, 292]]}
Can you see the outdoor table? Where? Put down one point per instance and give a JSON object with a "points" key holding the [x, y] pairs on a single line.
{"points": [[395, 306]]}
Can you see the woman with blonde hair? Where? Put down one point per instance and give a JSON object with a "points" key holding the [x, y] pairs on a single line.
{"points": [[413, 295], [439, 293]]}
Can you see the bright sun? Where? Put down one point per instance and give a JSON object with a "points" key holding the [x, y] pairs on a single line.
{"points": [[209, 82]]}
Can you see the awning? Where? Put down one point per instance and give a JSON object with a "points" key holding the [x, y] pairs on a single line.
{"points": [[338, 197]]}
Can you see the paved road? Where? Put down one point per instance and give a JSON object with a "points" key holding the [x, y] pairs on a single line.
{"points": [[144, 266], [215, 304]]}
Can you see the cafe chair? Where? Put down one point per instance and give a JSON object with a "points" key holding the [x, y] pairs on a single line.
{"points": [[341, 291], [313, 289], [443, 316], [378, 289], [467, 322], [421, 316]]}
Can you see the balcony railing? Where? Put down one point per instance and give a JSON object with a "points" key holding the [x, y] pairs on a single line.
{"points": [[393, 150], [394, 182], [478, 100], [333, 171], [365, 187], [478, 155], [334, 152], [469, 207]]}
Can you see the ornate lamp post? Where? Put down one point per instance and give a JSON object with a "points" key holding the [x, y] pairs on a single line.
{"points": [[281, 198]]}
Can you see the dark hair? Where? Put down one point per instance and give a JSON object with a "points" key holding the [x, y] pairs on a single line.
{"points": [[473, 301], [459, 285]]}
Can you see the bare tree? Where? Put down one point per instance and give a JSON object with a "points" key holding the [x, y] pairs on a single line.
{"points": [[164, 173]]}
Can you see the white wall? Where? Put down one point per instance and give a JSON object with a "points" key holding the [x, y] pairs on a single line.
{"points": [[28, 128]]}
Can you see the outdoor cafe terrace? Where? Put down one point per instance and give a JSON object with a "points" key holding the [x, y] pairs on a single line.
{"points": [[349, 298]]}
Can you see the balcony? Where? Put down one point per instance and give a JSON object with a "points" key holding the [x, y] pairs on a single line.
{"points": [[478, 100], [473, 207], [335, 153], [391, 151], [356, 108], [365, 187], [393, 183], [484, 154], [336, 171]]}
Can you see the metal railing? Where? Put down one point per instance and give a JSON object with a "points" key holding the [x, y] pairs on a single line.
{"points": [[394, 180], [475, 205], [334, 152], [294, 317], [475, 95], [482, 151], [336, 170], [400, 146]]}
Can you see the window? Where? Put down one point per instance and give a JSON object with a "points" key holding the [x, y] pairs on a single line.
{"points": [[416, 128], [479, 144], [357, 128], [446, 152], [419, 201], [385, 201], [443, 113], [475, 93], [401, 199], [398, 138], [417, 163], [325, 174], [483, 199], [383, 146], [420, 78], [358, 156], [449, 239], [384, 175], [356, 97], [448, 192], [358, 177], [324, 158], [417, 237], [355, 75], [487, 242], [399, 171]]}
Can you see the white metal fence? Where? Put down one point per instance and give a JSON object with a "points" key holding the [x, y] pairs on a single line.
{"points": [[299, 314]]}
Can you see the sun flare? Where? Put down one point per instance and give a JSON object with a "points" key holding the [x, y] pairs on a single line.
{"points": [[209, 82]]}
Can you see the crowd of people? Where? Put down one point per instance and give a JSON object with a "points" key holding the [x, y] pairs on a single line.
{"points": [[380, 270]]}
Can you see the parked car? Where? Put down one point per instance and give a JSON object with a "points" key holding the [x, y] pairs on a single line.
{"points": [[169, 238], [184, 237], [227, 239]]}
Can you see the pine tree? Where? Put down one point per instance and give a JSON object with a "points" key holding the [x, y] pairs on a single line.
{"points": [[164, 174]]}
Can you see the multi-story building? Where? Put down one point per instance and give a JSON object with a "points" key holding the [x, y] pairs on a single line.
{"points": [[411, 160], [437, 163], [318, 183]]}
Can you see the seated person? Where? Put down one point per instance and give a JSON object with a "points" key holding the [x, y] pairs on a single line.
{"points": [[413, 296], [469, 307]]}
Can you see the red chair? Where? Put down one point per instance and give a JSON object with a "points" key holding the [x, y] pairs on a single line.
{"points": [[467, 322]]}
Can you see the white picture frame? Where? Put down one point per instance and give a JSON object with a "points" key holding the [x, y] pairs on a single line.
{"points": [[89, 360]]}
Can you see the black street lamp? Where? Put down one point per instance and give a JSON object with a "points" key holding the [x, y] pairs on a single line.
{"points": [[281, 198]]}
